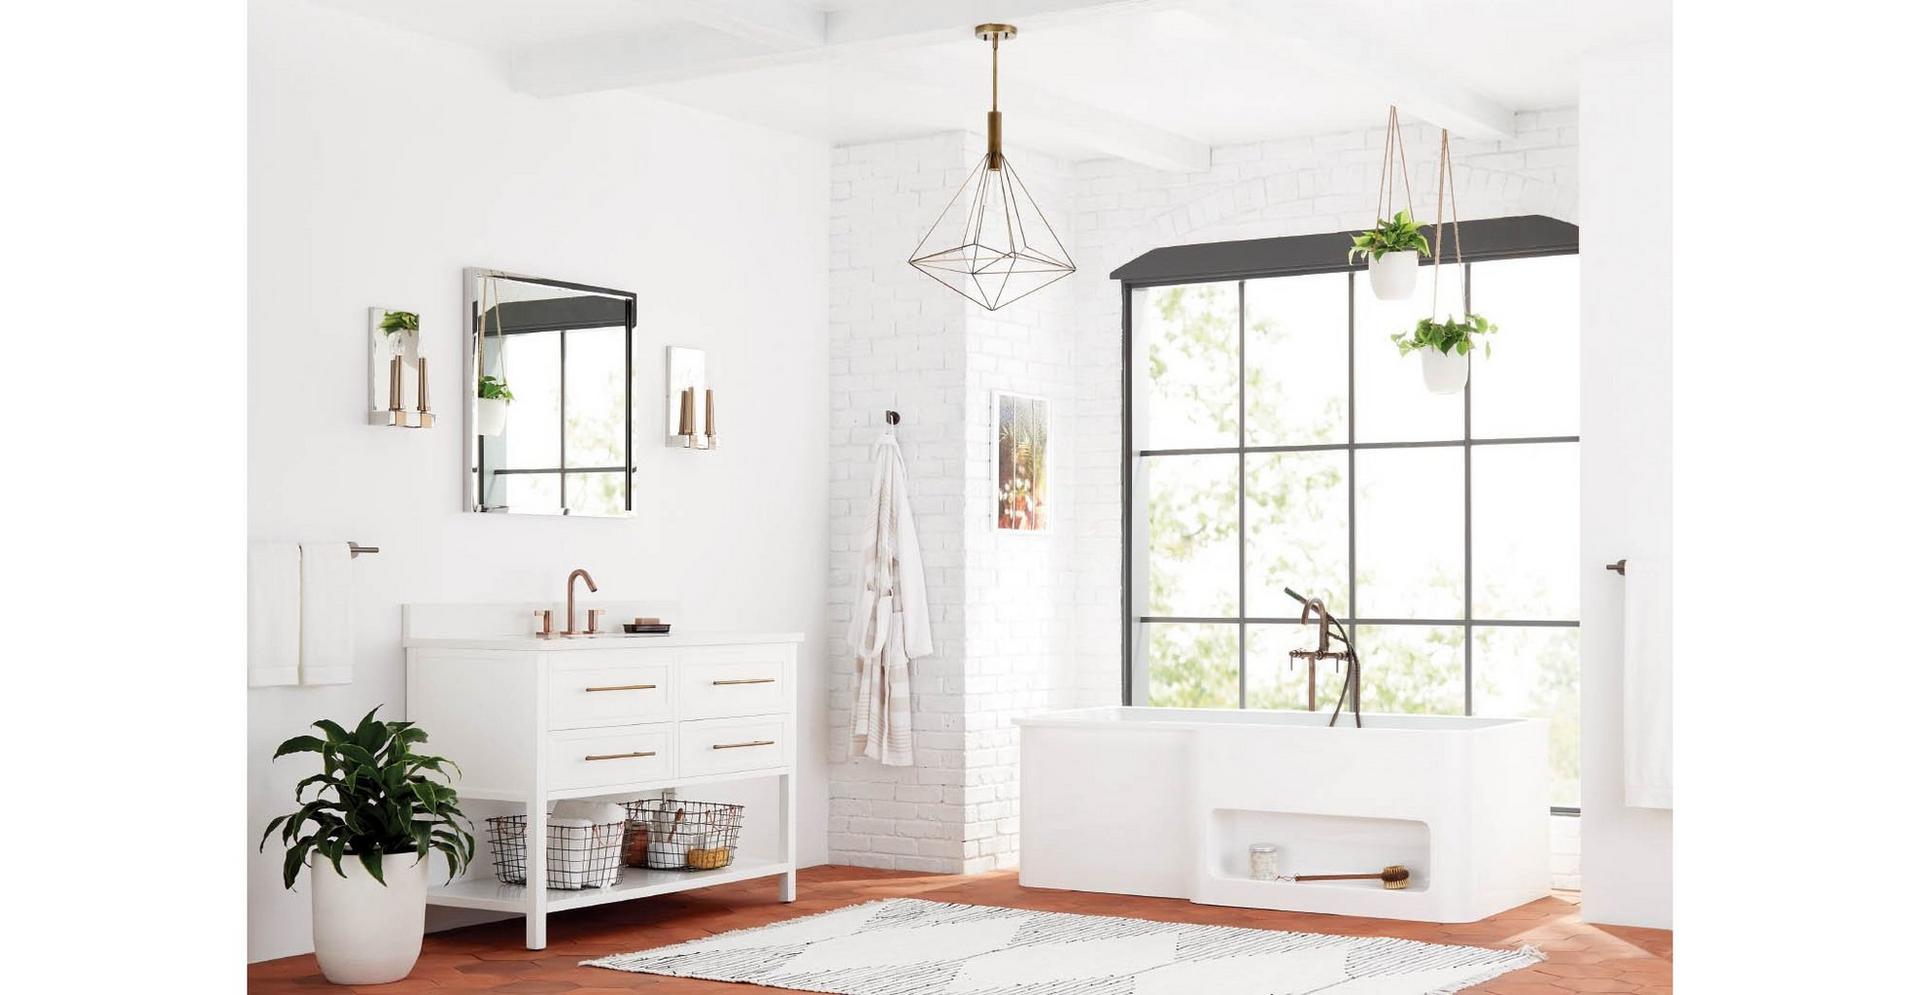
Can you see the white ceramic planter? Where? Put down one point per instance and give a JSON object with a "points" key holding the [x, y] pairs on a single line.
{"points": [[365, 933], [1392, 275], [1445, 372], [490, 415]]}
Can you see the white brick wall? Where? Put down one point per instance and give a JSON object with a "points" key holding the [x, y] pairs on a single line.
{"points": [[1024, 623], [1002, 604]]}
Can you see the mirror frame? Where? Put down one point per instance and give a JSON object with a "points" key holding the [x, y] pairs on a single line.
{"points": [[470, 485]]}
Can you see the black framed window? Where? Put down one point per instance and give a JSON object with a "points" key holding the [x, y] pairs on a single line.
{"points": [[1276, 438]]}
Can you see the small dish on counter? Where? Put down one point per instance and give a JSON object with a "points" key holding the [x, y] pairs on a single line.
{"points": [[646, 628]]}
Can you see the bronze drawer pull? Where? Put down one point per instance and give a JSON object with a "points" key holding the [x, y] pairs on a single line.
{"points": [[626, 687], [620, 756], [735, 746], [746, 680]]}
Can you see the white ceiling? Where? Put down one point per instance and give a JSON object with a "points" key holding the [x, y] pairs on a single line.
{"points": [[1157, 81]]}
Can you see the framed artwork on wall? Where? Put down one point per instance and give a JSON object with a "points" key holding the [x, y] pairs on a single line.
{"points": [[1021, 478]]}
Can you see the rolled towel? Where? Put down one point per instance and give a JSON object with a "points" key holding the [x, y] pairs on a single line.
{"points": [[568, 841], [599, 862], [598, 813]]}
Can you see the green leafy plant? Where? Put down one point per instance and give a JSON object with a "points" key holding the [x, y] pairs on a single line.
{"points": [[493, 388], [1448, 335], [399, 321], [382, 801], [1398, 235]]}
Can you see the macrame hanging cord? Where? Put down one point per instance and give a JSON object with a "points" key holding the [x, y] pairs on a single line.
{"points": [[1383, 204], [1448, 197], [490, 283]]}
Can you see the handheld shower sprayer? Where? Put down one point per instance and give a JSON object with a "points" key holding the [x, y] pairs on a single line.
{"points": [[1330, 628]]}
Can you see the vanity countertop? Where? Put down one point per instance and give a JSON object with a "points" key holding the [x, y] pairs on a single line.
{"points": [[617, 640]]}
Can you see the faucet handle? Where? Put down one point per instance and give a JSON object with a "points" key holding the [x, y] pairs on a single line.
{"points": [[543, 618], [593, 619]]}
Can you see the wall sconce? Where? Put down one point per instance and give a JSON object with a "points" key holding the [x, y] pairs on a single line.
{"points": [[396, 372], [690, 422]]}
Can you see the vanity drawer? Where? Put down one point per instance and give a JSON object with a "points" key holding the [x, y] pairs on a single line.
{"points": [[736, 684], [721, 746], [591, 758], [608, 694]]}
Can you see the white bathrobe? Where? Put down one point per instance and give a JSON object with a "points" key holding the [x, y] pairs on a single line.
{"points": [[889, 624]]}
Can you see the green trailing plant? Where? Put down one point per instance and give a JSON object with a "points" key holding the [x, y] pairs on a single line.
{"points": [[493, 388], [1448, 335], [399, 321], [373, 797], [1398, 235]]}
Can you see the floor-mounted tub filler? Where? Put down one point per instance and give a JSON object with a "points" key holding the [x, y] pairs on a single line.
{"points": [[1165, 801]]}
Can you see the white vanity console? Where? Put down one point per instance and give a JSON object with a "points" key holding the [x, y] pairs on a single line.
{"points": [[534, 720]]}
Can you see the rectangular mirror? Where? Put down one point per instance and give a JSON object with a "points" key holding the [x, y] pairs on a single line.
{"points": [[549, 392]]}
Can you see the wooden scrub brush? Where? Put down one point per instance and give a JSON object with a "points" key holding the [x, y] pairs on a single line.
{"points": [[1393, 878]]}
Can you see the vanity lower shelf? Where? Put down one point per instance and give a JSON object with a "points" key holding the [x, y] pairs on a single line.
{"points": [[489, 894]]}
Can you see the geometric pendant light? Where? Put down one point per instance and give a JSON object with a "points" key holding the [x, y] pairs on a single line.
{"points": [[991, 243]]}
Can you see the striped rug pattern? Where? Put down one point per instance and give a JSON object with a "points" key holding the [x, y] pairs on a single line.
{"points": [[907, 946]]}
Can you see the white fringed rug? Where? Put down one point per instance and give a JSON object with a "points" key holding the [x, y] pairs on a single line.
{"points": [[906, 946]]}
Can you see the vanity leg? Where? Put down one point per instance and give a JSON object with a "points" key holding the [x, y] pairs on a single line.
{"points": [[790, 881], [536, 875]]}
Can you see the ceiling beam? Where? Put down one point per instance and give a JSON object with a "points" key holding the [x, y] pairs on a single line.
{"points": [[777, 24], [1031, 110], [1332, 38], [729, 36]]}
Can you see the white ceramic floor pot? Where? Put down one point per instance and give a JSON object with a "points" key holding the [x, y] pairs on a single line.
{"points": [[491, 414], [365, 933], [1392, 275], [1445, 372]]}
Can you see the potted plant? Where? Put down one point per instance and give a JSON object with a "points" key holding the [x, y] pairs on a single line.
{"points": [[1445, 347], [405, 324], [375, 818], [490, 410], [1393, 249]]}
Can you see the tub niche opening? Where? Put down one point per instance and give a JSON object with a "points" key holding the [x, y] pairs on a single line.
{"points": [[1319, 844]]}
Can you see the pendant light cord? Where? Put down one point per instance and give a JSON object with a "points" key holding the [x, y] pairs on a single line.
{"points": [[996, 72]]}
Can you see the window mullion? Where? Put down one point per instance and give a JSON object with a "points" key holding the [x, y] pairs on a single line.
{"points": [[1240, 610]]}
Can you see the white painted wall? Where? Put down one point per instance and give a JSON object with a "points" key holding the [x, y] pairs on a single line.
{"points": [[1626, 450], [383, 162]]}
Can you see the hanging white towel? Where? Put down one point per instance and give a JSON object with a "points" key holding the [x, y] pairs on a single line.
{"points": [[273, 613], [890, 625], [1648, 684], [326, 613]]}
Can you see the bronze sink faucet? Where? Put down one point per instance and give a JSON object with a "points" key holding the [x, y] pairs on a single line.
{"points": [[591, 618]]}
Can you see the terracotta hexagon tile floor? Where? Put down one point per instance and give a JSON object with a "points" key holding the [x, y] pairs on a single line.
{"points": [[1580, 958]]}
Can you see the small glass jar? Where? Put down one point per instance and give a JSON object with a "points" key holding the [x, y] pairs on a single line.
{"points": [[1263, 859]]}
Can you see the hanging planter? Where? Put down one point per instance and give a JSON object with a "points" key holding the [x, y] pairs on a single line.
{"points": [[490, 408], [1393, 249], [1446, 346], [491, 393], [1446, 349], [1394, 245]]}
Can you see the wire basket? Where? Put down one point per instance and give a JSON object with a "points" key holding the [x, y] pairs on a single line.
{"points": [[684, 835], [578, 856]]}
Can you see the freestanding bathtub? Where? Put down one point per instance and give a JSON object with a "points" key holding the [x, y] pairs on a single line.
{"points": [[1164, 802]]}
